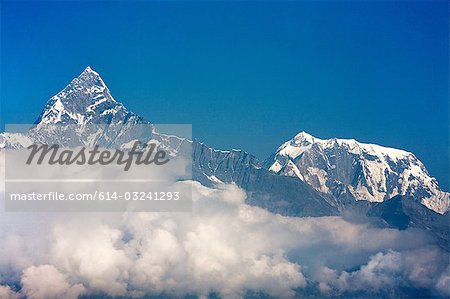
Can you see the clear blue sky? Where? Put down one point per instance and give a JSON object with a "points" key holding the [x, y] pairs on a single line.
{"points": [[247, 75]]}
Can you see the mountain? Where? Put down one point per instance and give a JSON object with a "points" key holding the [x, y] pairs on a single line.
{"points": [[352, 171], [86, 99], [85, 113], [402, 212], [306, 176], [278, 194]]}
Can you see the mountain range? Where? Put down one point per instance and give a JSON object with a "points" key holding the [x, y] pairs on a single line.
{"points": [[305, 176]]}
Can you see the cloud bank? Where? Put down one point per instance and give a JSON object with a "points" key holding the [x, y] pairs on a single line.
{"points": [[224, 247]]}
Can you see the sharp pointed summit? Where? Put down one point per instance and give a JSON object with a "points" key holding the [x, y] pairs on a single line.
{"points": [[86, 99], [89, 76]]}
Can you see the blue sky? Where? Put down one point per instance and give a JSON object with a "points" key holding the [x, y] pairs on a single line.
{"points": [[246, 75]]}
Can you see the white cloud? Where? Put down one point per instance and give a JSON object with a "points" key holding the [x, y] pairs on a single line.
{"points": [[223, 246], [47, 282], [381, 273]]}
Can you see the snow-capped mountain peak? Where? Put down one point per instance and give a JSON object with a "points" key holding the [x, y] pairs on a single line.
{"points": [[88, 69], [86, 99], [348, 169], [304, 137], [84, 112], [304, 141]]}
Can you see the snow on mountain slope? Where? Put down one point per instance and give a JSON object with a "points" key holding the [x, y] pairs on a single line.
{"points": [[347, 169], [14, 140]]}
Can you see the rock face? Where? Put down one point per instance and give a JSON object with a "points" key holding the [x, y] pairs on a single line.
{"points": [[349, 170], [306, 176], [278, 194], [402, 212]]}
